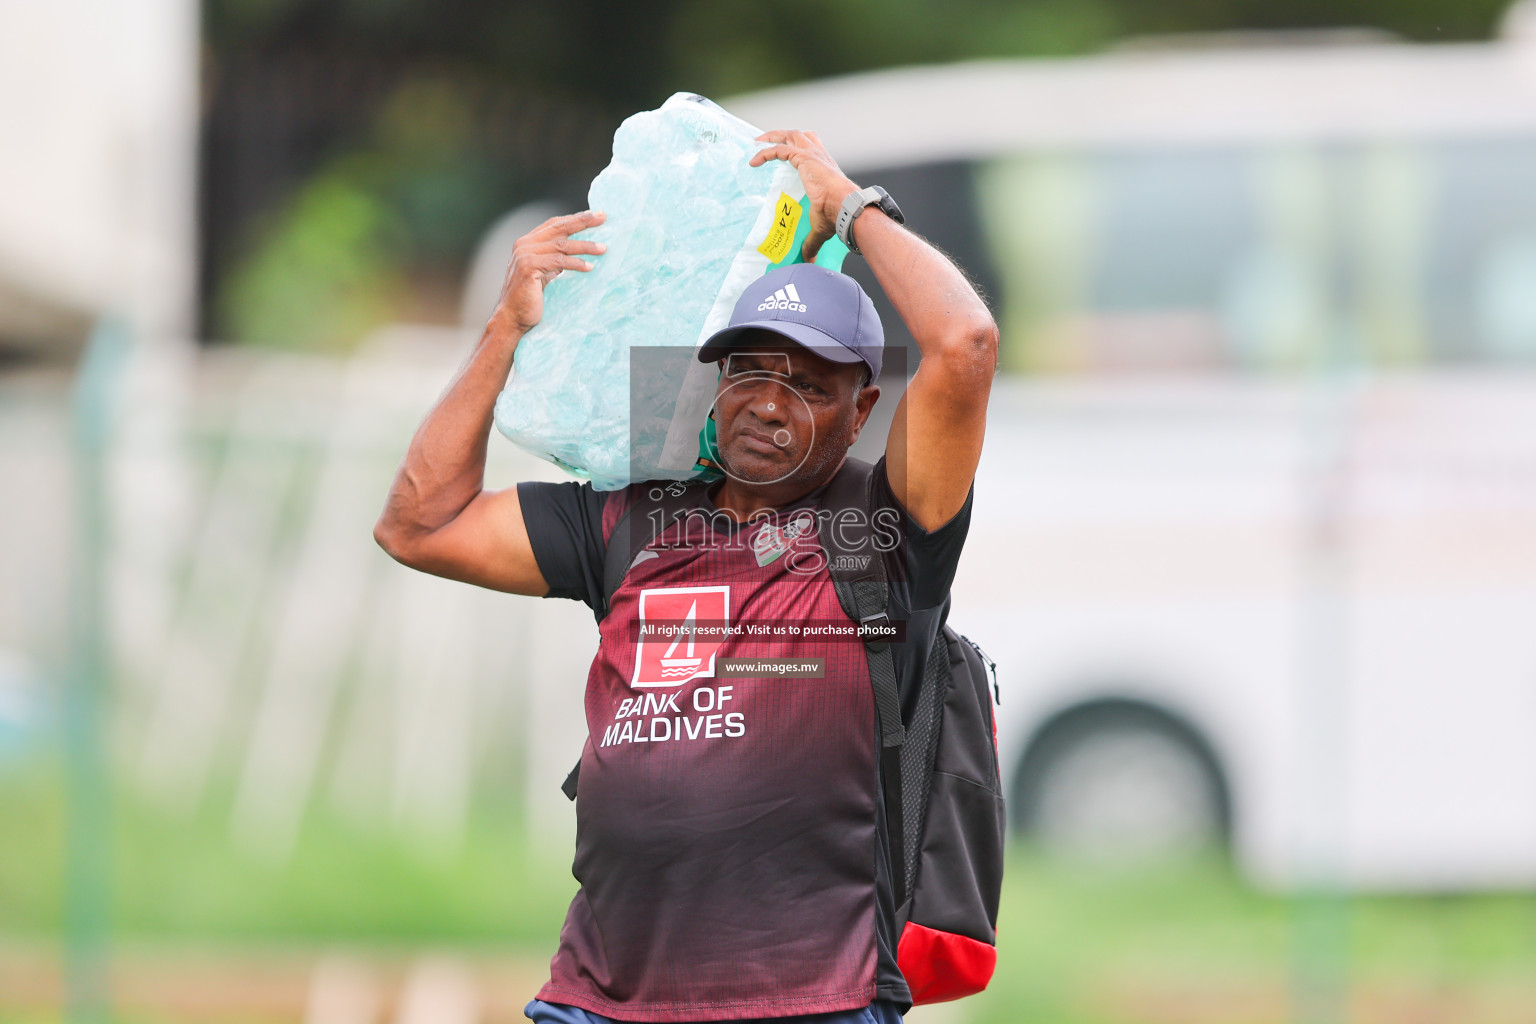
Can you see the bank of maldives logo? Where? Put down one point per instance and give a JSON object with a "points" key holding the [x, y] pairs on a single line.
{"points": [[686, 631]]}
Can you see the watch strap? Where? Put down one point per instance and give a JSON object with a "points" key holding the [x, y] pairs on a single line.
{"points": [[853, 205]]}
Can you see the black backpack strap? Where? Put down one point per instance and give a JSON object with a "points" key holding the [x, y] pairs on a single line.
{"points": [[641, 525], [858, 574]]}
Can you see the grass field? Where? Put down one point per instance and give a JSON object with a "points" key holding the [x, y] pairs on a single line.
{"points": [[199, 928]]}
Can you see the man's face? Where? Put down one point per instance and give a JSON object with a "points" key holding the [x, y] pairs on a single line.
{"points": [[783, 414]]}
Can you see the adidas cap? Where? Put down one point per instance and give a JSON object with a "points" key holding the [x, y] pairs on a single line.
{"points": [[821, 309]]}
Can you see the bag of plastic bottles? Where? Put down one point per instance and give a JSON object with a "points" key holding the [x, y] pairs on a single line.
{"points": [[606, 385]]}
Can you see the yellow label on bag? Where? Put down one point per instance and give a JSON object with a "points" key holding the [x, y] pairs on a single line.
{"points": [[781, 233]]}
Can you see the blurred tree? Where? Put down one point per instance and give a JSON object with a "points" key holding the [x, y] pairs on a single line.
{"points": [[322, 274], [436, 118]]}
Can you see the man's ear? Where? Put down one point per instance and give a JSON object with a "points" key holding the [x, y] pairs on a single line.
{"points": [[863, 405]]}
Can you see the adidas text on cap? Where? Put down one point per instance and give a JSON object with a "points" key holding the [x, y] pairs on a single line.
{"points": [[823, 310]]}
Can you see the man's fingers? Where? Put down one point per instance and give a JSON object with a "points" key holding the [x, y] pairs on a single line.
{"points": [[549, 263], [795, 137], [558, 263], [792, 135], [561, 244], [780, 152], [573, 222], [568, 224], [582, 245], [547, 266], [570, 246]]}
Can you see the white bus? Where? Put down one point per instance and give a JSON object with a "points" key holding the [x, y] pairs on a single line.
{"points": [[1254, 543]]}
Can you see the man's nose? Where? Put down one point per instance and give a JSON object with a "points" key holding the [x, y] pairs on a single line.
{"points": [[768, 402]]}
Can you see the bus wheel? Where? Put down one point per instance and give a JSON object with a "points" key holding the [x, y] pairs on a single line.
{"points": [[1119, 780]]}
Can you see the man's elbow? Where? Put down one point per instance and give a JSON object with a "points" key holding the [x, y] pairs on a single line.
{"points": [[985, 341], [971, 349], [394, 540]]}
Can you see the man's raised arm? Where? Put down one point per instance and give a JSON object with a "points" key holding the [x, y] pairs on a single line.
{"points": [[935, 440], [438, 517]]}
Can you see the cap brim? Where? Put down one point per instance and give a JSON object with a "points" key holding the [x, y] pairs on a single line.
{"points": [[819, 342]]}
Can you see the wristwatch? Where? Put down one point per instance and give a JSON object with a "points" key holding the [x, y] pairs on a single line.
{"points": [[854, 205]]}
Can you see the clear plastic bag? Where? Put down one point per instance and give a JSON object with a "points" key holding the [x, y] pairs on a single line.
{"points": [[689, 225]]}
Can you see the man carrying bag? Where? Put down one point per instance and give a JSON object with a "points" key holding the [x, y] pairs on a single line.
{"points": [[734, 825]]}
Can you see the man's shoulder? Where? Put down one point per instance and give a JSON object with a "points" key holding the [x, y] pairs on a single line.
{"points": [[616, 503], [570, 508], [654, 493]]}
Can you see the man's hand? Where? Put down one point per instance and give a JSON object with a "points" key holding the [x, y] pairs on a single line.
{"points": [[537, 259], [438, 517], [826, 186]]}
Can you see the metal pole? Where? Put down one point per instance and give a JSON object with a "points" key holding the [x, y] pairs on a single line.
{"points": [[87, 860], [1321, 966]]}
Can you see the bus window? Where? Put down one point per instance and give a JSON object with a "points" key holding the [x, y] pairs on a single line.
{"points": [[1481, 281], [1117, 262], [1275, 259], [1279, 259], [1505, 300], [1337, 275]]}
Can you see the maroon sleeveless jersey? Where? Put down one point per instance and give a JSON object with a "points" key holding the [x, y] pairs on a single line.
{"points": [[726, 826]]}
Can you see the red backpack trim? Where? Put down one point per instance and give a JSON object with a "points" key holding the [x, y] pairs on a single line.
{"points": [[940, 966]]}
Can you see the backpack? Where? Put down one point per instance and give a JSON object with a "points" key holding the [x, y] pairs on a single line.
{"points": [[938, 765]]}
